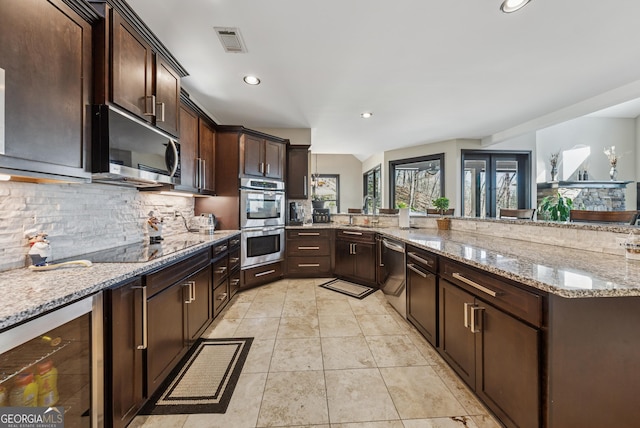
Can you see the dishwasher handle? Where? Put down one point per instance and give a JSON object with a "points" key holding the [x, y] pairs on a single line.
{"points": [[393, 246]]}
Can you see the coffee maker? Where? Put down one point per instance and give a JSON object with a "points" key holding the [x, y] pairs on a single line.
{"points": [[296, 213]]}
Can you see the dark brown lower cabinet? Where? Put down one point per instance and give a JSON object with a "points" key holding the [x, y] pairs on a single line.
{"points": [[422, 293], [124, 371], [496, 354], [261, 274], [198, 312], [356, 256]]}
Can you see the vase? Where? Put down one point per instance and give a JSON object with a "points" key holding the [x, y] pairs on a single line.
{"points": [[554, 173], [613, 173]]}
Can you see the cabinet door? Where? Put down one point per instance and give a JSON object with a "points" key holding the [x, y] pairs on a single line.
{"points": [[365, 262], [253, 156], [297, 172], [188, 147], [507, 367], [344, 258], [422, 301], [274, 154], [199, 309], [208, 156], [131, 70], [166, 341], [457, 342], [167, 97], [46, 54], [125, 385]]}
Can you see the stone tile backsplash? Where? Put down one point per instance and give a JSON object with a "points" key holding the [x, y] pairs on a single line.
{"points": [[80, 218]]}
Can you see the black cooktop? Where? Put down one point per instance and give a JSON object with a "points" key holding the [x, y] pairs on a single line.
{"points": [[139, 252]]}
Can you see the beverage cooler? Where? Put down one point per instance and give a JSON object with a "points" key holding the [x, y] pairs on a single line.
{"points": [[55, 360]]}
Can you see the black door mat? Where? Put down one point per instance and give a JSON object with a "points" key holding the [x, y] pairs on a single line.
{"points": [[203, 381], [349, 288]]}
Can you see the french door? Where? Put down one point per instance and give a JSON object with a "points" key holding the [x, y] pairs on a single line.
{"points": [[493, 180]]}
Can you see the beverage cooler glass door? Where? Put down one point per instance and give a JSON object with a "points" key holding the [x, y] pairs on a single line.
{"points": [[56, 361]]}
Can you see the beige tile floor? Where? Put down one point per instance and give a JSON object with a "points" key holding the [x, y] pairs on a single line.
{"points": [[323, 359]]}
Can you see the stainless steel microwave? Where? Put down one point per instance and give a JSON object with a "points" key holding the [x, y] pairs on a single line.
{"points": [[127, 151]]}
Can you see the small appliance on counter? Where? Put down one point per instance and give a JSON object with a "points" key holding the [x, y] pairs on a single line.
{"points": [[296, 214], [321, 215]]}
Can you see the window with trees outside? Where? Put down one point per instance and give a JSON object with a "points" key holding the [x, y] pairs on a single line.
{"points": [[371, 183], [415, 182], [326, 188]]}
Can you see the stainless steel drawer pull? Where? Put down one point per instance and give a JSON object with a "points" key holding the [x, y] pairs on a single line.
{"points": [[475, 285], [308, 248], [308, 264], [414, 256], [234, 259], [221, 269], [222, 297], [144, 317], [348, 232], [473, 318], [309, 234], [269, 272], [466, 314], [235, 282], [412, 267]]}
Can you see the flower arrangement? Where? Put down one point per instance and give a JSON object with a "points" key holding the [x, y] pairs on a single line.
{"points": [[610, 152]]}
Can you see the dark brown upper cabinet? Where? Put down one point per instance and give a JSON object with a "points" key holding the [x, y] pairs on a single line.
{"points": [[133, 71], [262, 157], [46, 55], [297, 172]]}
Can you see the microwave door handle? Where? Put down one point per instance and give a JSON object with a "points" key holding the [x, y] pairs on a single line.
{"points": [[174, 149]]}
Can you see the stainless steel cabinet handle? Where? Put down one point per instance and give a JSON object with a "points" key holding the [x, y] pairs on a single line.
{"points": [[473, 319], [348, 232], [308, 248], [412, 267], [304, 185], [204, 173], [197, 178], [223, 296], [474, 284], [162, 106], [261, 167], [466, 314], [308, 264], [193, 287], [144, 318], [235, 282], [221, 269], [268, 272], [268, 168], [420, 259], [153, 105], [380, 253], [188, 299], [234, 259], [309, 234]]}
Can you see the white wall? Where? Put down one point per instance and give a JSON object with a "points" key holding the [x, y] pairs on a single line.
{"points": [[587, 137], [350, 170]]}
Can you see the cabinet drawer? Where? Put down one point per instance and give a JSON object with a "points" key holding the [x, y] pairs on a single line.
{"points": [[163, 278], [219, 248], [220, 271], [312, 266], [234, 260], [234, 242], [308, 233], [308, 247], [356, 235], [220, 298], [502, 294], [422, 258], [261, 274]]}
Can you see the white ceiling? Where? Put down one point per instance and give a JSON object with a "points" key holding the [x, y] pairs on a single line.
{"points": [[429, 70]]}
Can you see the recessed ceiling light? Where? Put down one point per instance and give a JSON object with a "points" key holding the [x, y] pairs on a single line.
{"points": [[366, 115], [509, 6], [251, 80]]}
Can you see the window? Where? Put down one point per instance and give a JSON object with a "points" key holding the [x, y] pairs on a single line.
{"points": [[326, 188], [494, 180], [415, 182], [371, 187]]}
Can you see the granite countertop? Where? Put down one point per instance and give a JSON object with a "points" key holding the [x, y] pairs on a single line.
{"points": [[28, 293], [557, 270]]}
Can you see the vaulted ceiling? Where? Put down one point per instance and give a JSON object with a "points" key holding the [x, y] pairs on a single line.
{"points": [[429, 70]]}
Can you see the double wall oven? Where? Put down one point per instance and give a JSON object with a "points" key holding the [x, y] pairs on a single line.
{"points": [[262, 219]]}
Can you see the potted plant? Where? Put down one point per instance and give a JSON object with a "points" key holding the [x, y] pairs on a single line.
{"points": [[442, 205], [555, 208], [316, 201]]}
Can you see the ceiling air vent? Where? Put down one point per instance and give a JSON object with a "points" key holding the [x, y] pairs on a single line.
{"points": [[231, 39]]}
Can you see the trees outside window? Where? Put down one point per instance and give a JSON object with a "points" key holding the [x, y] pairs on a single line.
{"points": [[415, 182]]}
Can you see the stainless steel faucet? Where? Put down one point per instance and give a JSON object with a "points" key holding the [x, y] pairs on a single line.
{"points": [[365, 204]]}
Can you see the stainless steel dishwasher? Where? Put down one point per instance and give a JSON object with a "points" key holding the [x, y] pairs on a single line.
{"points": [[392, 264]]}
